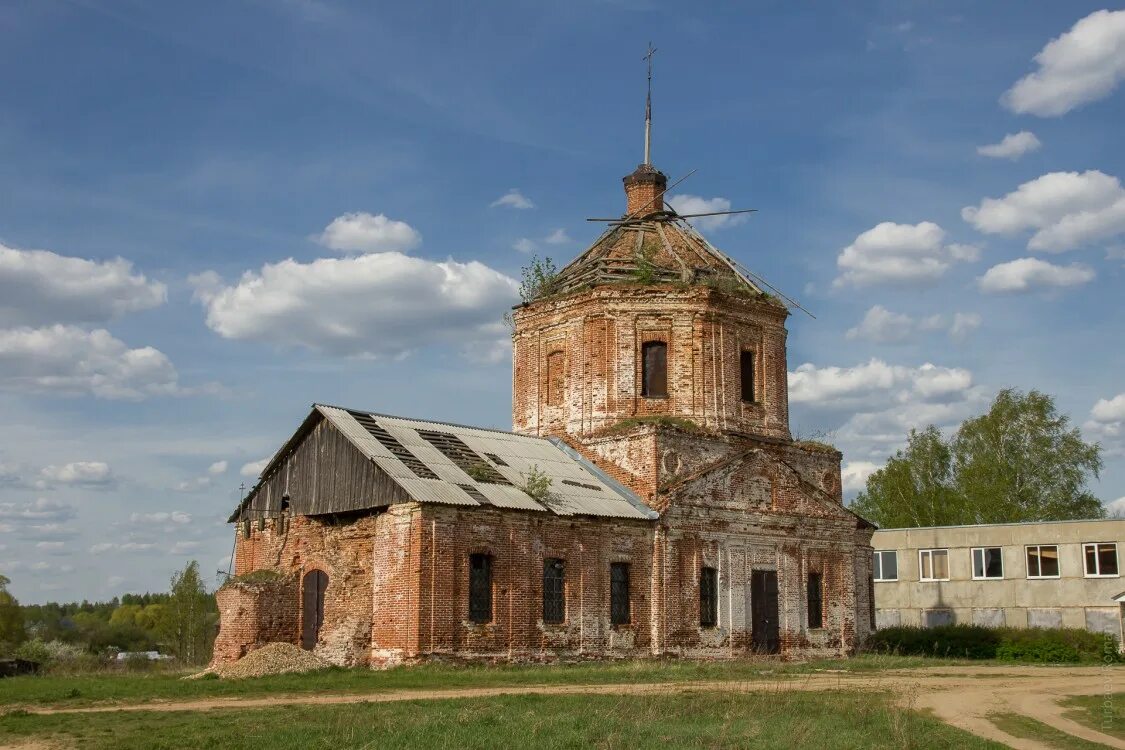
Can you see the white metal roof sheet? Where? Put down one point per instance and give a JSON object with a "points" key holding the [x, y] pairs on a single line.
{"points": [[576, 488]]}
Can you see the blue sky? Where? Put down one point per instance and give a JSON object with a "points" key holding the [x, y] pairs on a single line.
{"points": [[215, 214]]}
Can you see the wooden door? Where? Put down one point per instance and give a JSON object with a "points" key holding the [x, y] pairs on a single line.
{"points": [[763, 606], [312, 607]]}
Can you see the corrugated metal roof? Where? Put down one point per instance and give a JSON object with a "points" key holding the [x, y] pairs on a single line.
{"points": [[577, 487]]}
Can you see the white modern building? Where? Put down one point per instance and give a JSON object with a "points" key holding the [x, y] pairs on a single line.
{"points": [[1046, 575]]}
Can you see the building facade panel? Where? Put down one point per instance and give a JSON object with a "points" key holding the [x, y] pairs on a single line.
{"points": [[1046, 579]]}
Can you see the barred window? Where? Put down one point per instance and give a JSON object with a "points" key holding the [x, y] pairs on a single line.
{"points": [[708, 597], [554, 600], [480, 588], [816, 601], [619, 594]]}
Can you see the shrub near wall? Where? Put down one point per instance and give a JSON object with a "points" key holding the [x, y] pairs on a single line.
{"points": [[1010, 644]]}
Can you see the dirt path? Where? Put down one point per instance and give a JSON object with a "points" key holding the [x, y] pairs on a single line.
{"points": [[961, 696]]}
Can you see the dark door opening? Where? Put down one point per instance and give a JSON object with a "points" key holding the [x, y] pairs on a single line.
{"points": [[763, 607], [312, 609]]}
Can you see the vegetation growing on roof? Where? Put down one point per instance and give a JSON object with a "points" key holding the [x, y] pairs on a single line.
{"points": [[538, 485], [481, 473], [679, 423], [815, 445], [540, 279]]}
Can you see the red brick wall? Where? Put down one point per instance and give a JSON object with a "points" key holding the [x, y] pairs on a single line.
{"points": [[254, 614], [342, 548], [601, 332]]}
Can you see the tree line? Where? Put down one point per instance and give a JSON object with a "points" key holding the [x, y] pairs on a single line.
{"points": [[181, 622], [1019, 461]]}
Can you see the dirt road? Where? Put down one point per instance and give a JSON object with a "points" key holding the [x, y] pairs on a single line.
{"points": [[961, 696]]}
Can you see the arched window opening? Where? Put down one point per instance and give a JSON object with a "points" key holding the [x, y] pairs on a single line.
{"points": [[312, 610]]}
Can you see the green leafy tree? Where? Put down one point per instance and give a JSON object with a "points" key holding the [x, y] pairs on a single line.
{"points": [[187, 624], [915, 487], [11, 617], [1021, 461]]}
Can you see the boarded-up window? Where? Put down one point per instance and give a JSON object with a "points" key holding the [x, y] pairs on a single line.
{"points": [[746, 370], [554, 602], [555, 378], [619, 593], [480, 588], [654, 369], [708, 597], [816, 601]]}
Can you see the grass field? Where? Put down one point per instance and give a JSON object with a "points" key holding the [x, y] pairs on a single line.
{"points": [[1105, 713], [136, 687], [689, 720], [1028, 728]]}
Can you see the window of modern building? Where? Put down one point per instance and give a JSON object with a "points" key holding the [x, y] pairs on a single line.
{"points": [[816, 601], [708, 597], [886, 565], [554, 598], [1043, 561], [987, 563], [654, 369], [555, 378], [1101, 559], [619, 613], [480, 588], [933, 565], [746, 370]]}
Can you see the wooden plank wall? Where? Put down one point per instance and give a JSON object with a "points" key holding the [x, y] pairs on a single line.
{"points": [[325, 474]]}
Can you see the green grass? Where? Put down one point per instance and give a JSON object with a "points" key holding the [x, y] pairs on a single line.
{"points": [[1028, 728], [76, 690], [839, 720], [1105, 713]]}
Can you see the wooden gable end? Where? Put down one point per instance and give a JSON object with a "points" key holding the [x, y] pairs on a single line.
{"points": [[324, 473]]}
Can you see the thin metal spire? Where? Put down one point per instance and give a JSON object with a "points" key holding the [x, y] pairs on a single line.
{"points": [[648, 107]]}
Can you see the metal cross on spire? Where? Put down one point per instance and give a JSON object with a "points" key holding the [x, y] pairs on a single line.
{"points": [[648, 106]]}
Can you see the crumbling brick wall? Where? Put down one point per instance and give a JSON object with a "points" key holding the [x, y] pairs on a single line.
{"points": [[254, 613], [342, 547]]}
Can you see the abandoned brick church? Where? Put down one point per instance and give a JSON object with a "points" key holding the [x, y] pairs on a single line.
{"points": [[649, 501]]}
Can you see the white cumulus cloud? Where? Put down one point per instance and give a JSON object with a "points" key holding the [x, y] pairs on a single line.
{"points": [[1067, 210], [1081, 66], [368, 305], [854, 474], [899, 253], [39, 287], [71, 361], [873, 381], [694, 204], [513, 199], [219, 467], [1107, 423], [1012, 146], [80, 473], [40, 510], [558, 237], [254, 468], [362, 232], [883, 326], [1032, 274]]}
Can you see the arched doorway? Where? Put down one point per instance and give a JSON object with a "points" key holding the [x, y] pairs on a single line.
{"points": [[312, 609]]}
